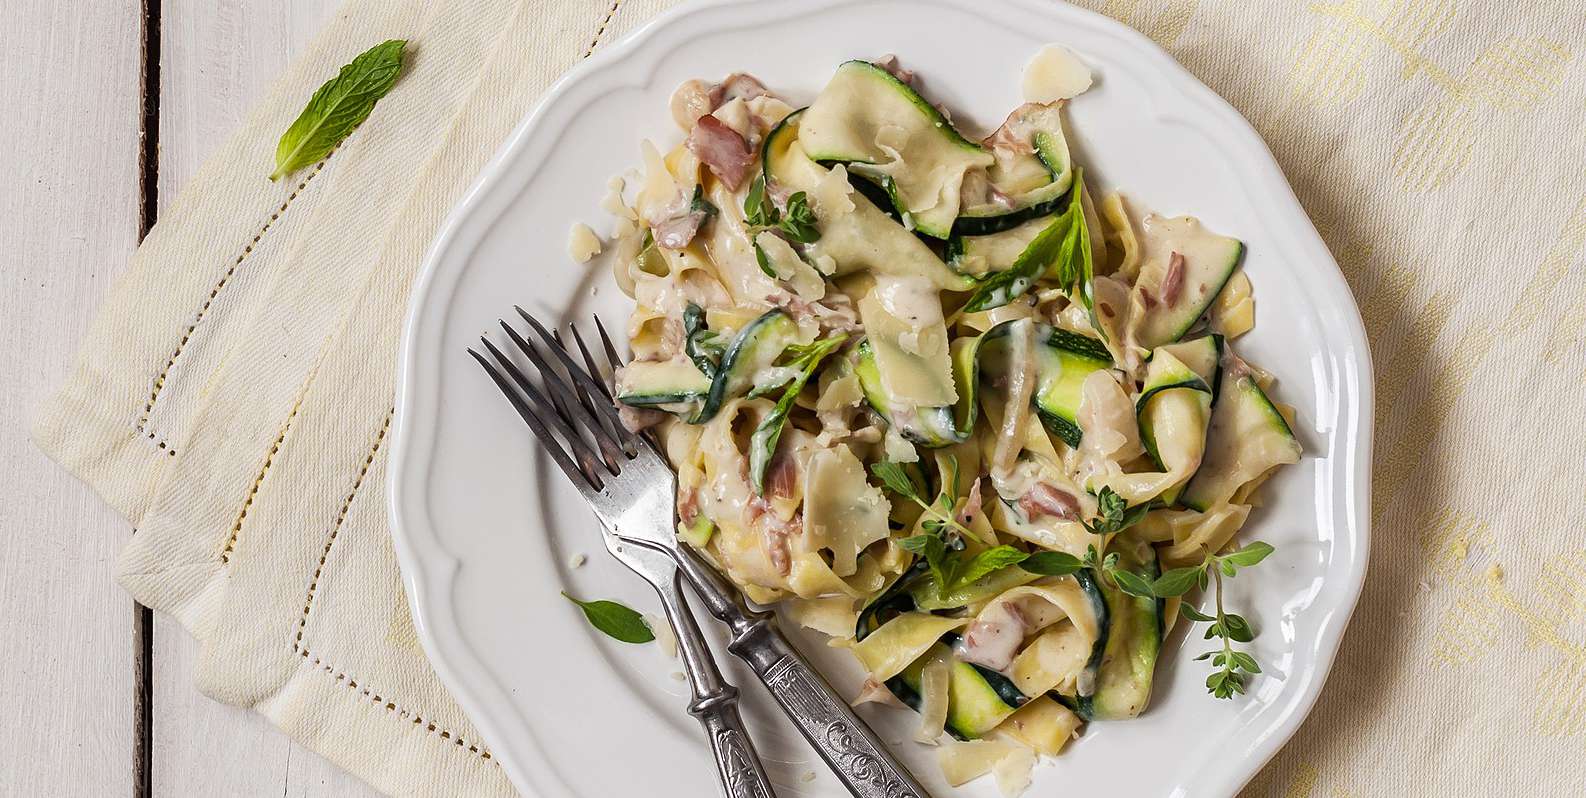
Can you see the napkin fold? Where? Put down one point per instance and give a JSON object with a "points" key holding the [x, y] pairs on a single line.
{"points": [[233, 398]]}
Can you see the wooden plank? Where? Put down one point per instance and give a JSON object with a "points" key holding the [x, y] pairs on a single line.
{"points": [[217, 58], [70, 189]]}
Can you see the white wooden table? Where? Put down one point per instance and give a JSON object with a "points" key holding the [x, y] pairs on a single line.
{"points": [[108, 107]]}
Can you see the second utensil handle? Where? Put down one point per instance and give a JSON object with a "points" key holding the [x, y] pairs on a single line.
{"points": [[866, 768]]}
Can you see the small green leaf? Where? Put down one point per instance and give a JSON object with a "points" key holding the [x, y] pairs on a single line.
{"points": [[616, 620], [934, 550], [765, 262], [894, 478], [1193, 614], [1052, 563], [338, 107], [1177, 582], [769, 432], [993, 559], [701, 205], [1204, 656], [798, 221], [1249, 555], [1224, 684], [1237, 628], [1226, 567], [1244, 662], [1133, 584], [757, 208]]}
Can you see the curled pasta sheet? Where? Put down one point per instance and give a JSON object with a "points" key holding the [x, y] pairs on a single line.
{"points": [[1053, 661], [1120, 231], [1111, 433], [899, 642], [1042, 724], [1234, 312], [1179, 426], [1043, 603], [1210, 533]]}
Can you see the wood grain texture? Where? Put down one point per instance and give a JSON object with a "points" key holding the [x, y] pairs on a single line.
{"points": [[217, 58], [69, 79]]}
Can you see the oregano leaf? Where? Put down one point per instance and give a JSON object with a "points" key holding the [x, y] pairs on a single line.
{"points": [[617, 621]]}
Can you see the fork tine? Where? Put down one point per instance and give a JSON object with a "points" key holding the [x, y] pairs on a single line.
{"points": [[612, 358], [606, 389], [614, 361], [537, 426], [578, 415], [586, 459], [614, 444], [589, 363], [578, 374]]}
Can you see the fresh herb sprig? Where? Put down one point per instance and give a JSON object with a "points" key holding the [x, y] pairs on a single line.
{"points": [[338, 107], [805, 360], [1233, 666], [1062, 251], [702, 346], [950, 568], [940, 510], [616, 620], [1115, 514], [797, 221]]}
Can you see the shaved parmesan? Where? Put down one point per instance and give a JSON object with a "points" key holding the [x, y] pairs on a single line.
{"points": [[933, 701], [843, 513], [964, 761], [1055, 74], [1013, 772]]}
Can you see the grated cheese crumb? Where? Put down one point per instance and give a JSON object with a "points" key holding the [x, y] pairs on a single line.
{"points": [[577, 561], [582, 243]]}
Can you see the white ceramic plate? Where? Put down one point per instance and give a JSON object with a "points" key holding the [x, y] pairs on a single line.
{"points": [[485, 528]]}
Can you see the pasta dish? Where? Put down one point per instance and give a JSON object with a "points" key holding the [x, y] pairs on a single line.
{"points": [[933, 395]]}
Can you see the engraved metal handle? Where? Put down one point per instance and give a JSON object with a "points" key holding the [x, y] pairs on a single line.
{"points": [[715, 704], [849, 747]]}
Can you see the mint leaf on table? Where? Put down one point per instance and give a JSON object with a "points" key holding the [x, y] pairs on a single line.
{"points": [[338, 107], [617, 621]]}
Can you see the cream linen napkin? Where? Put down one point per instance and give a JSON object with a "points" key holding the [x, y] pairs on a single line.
{"points": [[233, 397]]}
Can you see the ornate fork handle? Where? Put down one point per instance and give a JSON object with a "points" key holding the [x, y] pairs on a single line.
{"points": [[715, 704], [824, 718]]}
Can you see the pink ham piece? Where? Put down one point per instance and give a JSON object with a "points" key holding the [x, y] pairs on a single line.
{"points": [[1044, 500], [722, 150], [736, 86], [677, 231], [972, 505], [1173, 282], [774, 533], [993, 639], [889, 62]]}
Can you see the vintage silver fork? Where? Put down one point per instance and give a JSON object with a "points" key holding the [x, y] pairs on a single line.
{"points": [[629, 493], [636, 502]]}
